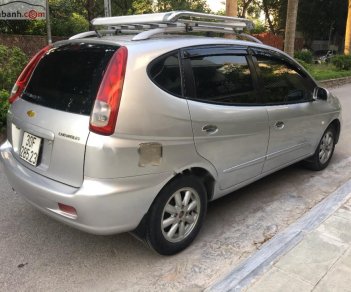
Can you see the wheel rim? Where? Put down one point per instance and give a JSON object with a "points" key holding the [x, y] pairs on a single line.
{"points": [[180, 214], [326, 147]]}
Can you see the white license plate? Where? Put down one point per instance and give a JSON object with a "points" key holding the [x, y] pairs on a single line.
{"points": [[30, 148]]}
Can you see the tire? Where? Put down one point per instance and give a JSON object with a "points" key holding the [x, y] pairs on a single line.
{"points": [[181, 207], [324, 151]]}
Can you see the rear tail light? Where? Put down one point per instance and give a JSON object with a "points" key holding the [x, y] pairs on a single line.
{"points": [[23, 79], [104, 115]]}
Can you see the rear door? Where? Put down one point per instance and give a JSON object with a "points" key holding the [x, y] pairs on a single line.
{"points": [[230, 126], [53, 112]]}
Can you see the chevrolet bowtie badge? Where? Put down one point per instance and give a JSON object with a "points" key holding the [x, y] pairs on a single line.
{"points": [[31, 114]]}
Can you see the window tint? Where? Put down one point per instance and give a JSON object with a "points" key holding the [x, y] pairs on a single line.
{"points": [[223, 79], [69, 77], [282, 83], [165, 72]]}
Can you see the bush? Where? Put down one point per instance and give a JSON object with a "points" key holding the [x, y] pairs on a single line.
{"points": [[4, 106], [304, 55], [342, 62], [12, 61], [71, 25], [259, 27], [304, 64]]}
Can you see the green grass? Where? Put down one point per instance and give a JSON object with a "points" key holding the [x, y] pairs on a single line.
{"points": [[326, 71]]}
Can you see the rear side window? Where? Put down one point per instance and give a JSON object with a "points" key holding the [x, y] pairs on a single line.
{"points": [[69, 76], [165, 72], [224, 79], [283, 83]]}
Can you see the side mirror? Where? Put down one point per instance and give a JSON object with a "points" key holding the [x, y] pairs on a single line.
{"points": [[321, 93]]}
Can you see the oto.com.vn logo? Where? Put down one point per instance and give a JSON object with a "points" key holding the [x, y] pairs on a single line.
{"points": [[30, 14]]}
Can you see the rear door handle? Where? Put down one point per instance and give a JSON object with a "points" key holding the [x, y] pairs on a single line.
{"points": [[279, 125], [210, 129]]}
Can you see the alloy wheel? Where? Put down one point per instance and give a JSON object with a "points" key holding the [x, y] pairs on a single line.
{"points": [[180, 214], [326, 147]]}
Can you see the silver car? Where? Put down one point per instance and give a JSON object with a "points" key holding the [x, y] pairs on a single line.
{"points": [[113, 133]]}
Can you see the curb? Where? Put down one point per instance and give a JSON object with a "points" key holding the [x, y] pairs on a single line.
{"points": [[241, 276], [331, 83]]}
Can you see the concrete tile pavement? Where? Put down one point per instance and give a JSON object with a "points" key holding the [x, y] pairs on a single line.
{"points": [[300, 256], [320, 262]]}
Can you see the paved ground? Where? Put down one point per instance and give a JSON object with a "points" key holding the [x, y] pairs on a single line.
{"points": [[320, 262], [38, 253]]}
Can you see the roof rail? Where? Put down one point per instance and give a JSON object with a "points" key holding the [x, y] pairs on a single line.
{"points": [[173, 17], [147, 25]]}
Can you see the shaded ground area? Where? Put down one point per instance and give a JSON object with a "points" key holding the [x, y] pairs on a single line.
{"points": [[38, 253]]}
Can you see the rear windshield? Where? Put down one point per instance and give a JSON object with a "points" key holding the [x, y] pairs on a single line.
{"points": [[68, 78]]}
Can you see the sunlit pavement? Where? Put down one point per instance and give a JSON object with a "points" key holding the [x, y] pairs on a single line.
{"points": [[320, 262]]}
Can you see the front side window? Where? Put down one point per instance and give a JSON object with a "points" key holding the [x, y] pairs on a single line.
{"points": [[223, 79], [282, 83]]}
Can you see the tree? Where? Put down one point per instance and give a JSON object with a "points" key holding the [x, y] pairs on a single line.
{"points": [[322, 20], [194, 5], [248, 7], [275, 14], [14, 26], [142, 6], [290, 27], [265, 5], [231, 7], [67, 18], [90, 9], [348, 31]]}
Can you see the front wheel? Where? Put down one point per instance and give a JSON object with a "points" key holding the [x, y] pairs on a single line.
{"points": [[324, 151], [176, 216]]}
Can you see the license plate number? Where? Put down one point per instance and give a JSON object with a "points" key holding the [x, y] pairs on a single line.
{"points": [[30, 148]]}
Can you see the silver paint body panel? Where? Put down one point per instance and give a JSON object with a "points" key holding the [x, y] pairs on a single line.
{"points": [[303, 125], [101, 176], [238, 148]]}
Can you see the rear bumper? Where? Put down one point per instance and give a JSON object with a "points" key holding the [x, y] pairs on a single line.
{"points": [[104, 206]]}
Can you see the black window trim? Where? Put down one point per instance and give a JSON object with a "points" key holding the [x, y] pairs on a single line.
{"points": [[187, 78], [290, 61], [216, 50], [277, 56], [165, 55], [213, 50]]}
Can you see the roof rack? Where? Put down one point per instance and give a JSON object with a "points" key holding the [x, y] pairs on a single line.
{"points": [[147, 25]]}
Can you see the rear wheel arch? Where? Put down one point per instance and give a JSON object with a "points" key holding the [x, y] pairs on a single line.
{"points": [[201, 174], [204, 176]]}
